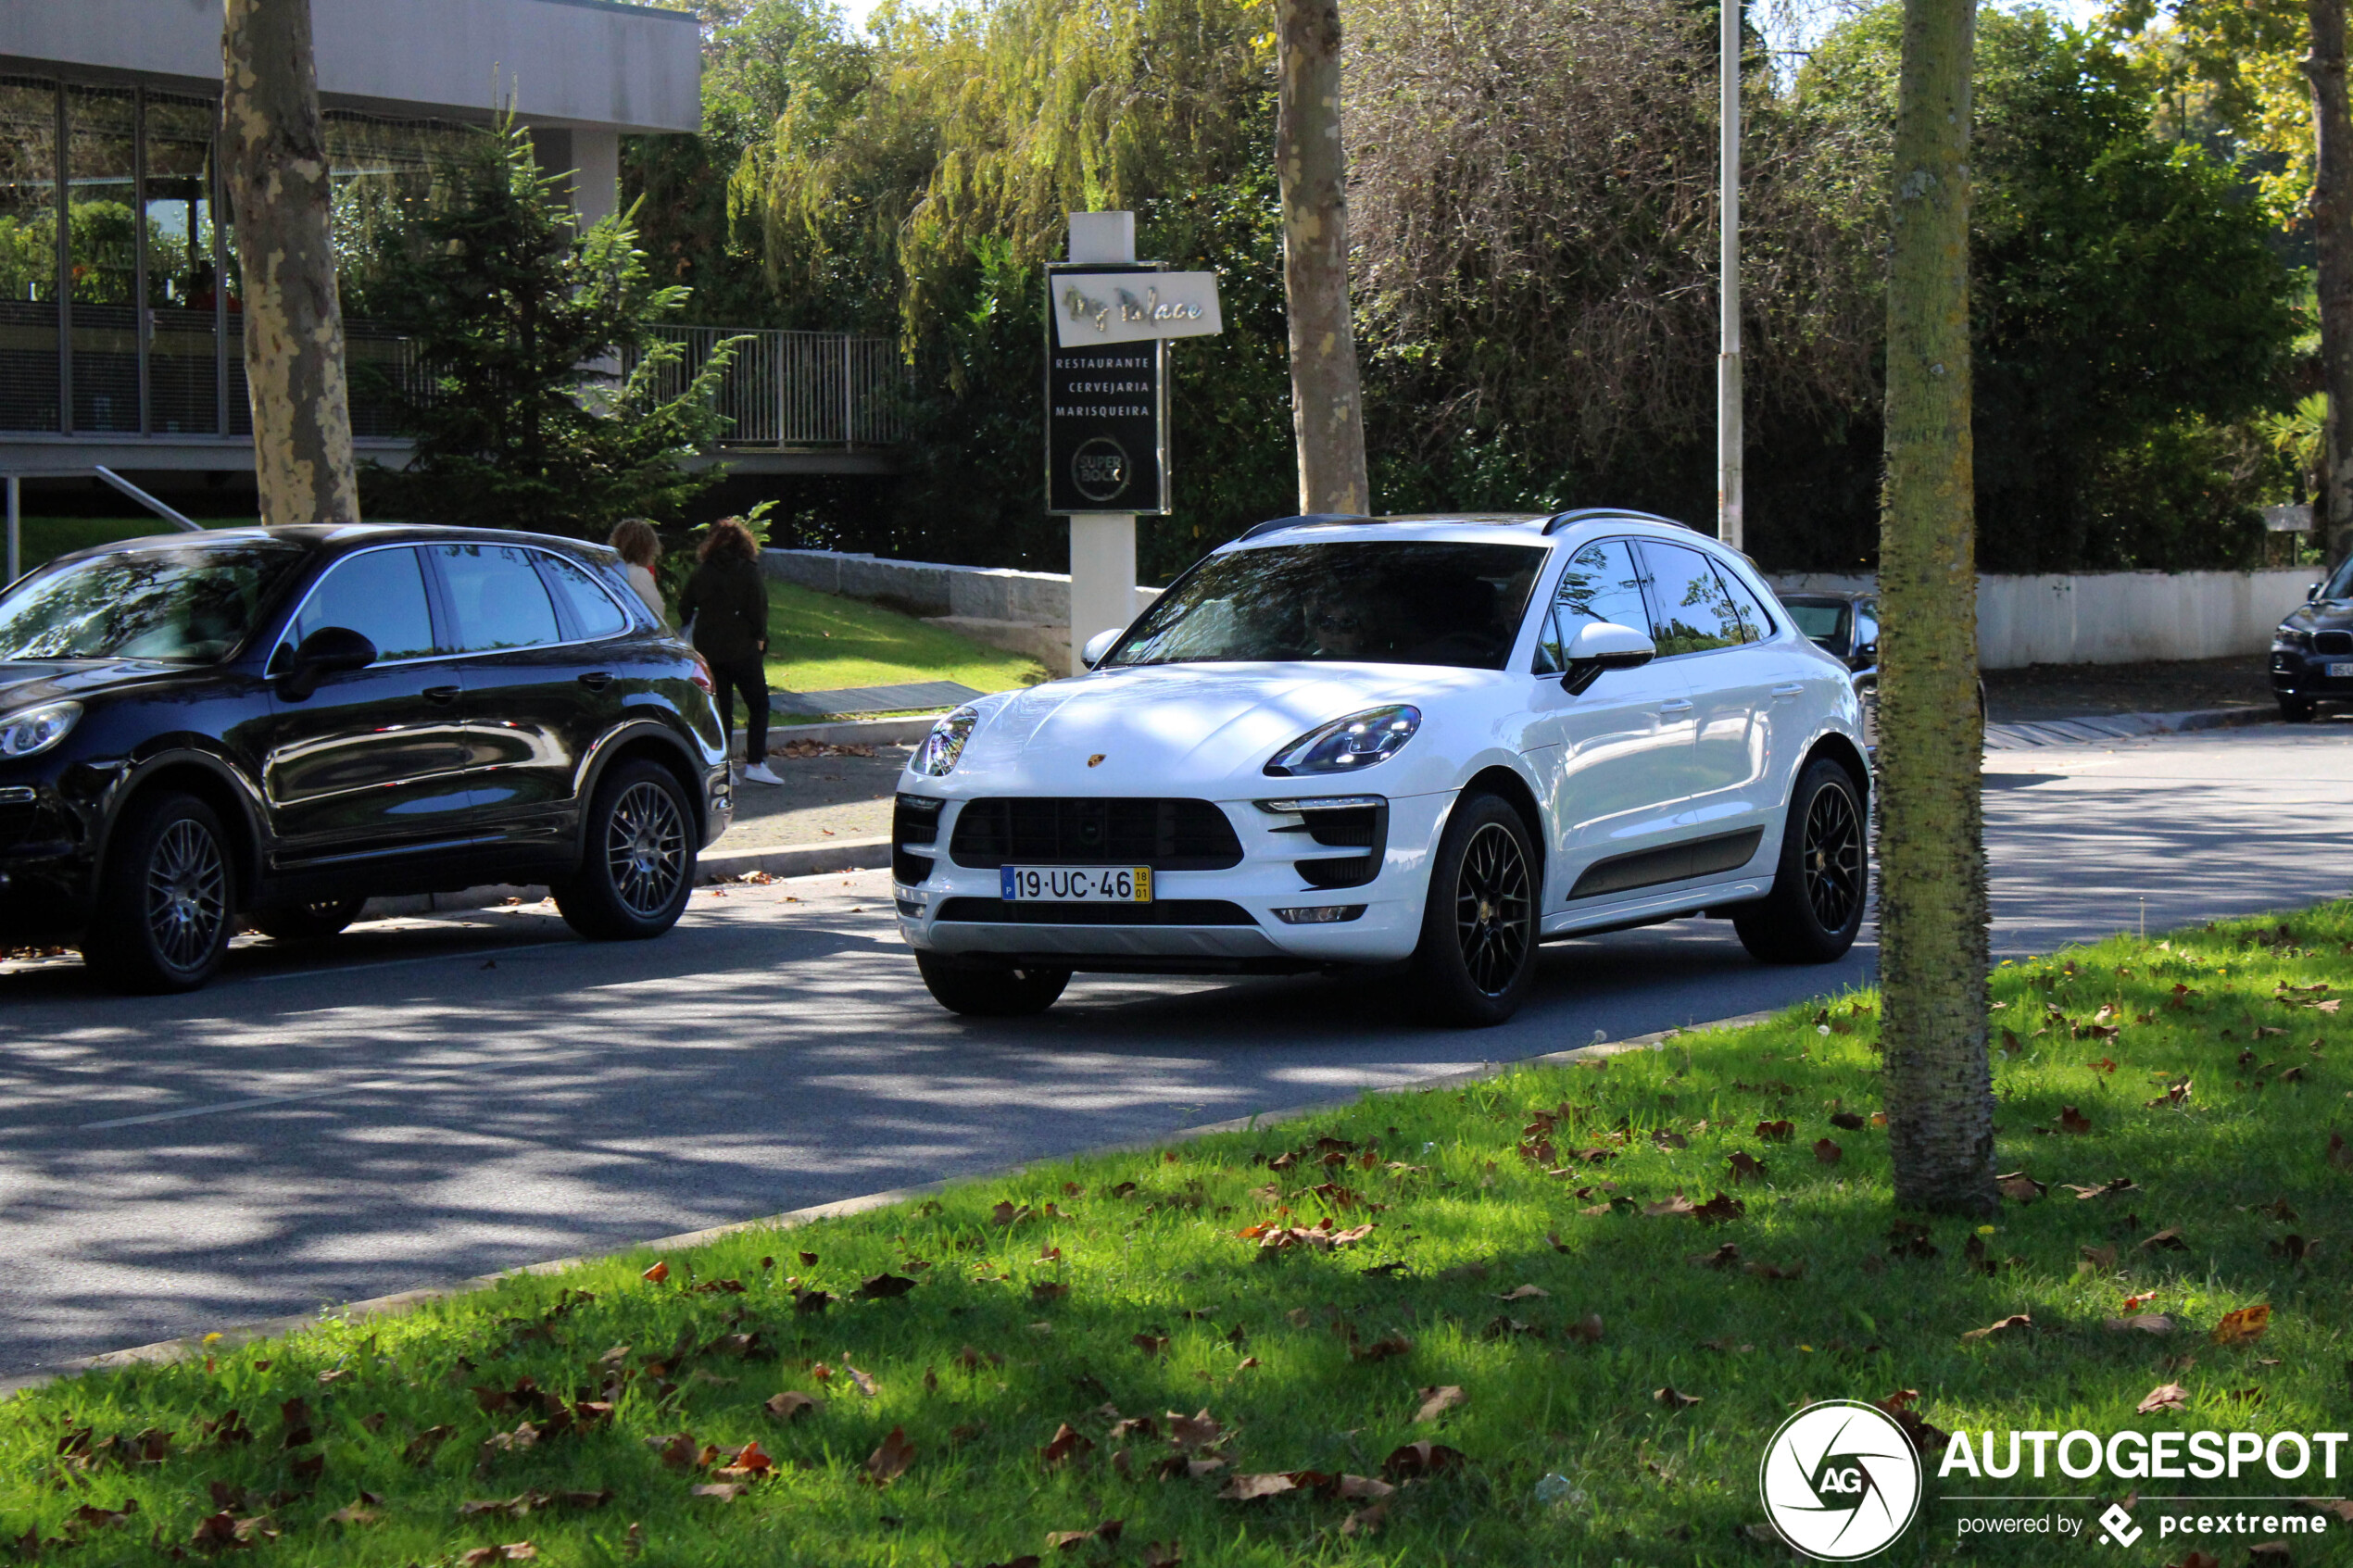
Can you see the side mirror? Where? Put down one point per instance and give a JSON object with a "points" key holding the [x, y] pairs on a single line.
{"points": [[330, 650], [2311, 592], [1603, 644], [1867, 638], [1098, 646]]}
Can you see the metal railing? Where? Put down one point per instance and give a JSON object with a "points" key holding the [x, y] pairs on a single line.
{"points": [[797, 389]]}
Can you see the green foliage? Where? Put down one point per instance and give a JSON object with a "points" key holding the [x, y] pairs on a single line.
{"points": [[510, 312], [2126, 303], [981, 1323]]}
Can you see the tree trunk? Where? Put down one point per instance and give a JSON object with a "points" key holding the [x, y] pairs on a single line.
{"points": [[2333, 232], [1327, 415], [1932, 938], [274, 151]]}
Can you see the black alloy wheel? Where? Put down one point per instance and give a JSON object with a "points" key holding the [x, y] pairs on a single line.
{"points": [[638, 861], [1822, 879], [308, 923], [1478, 949], [166, 900]]}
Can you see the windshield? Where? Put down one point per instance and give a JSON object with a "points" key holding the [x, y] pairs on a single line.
{"points": [[2340, 584], [1826, 624], [1375, 602], [192, 603]]}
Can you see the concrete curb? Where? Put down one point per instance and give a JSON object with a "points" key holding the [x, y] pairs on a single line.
{"points": [[721, 866], [166, 1351], [904, 730], [2091, 730]]}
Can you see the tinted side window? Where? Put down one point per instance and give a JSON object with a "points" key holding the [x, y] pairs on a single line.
{"points": [[1694, 613], [592, 609], [1601, 584], [1755, 624], [381, 596], [497, 598]]}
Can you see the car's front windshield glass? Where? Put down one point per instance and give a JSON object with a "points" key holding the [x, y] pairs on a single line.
{"points": [[2340, 584], [1379, 602], [191, 603], [1825, 623]]}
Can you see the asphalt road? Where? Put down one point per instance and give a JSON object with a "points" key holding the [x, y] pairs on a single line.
{"points": [[425, 1100]]}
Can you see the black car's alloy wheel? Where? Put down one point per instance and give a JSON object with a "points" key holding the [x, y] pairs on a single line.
{"points": [[166, 900], [637, 859], [1493, 906], [1822, 878], [1478, 949], [646, 848]]}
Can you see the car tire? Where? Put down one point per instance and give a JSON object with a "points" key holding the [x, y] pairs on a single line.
{"points": [[1823, 877], [2296, 710], [1476, 956], [978, 991], [636, 858], [308, 922], [167, 898]]}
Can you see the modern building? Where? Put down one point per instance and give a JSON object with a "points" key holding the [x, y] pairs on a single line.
{"points": [[120, 323]]}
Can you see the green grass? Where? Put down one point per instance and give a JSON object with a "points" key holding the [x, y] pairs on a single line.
{"points": [[823, 642], [1084, 1291]]}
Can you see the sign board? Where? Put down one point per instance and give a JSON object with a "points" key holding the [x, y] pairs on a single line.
{"points": [[1100, 305], [1106, 409]]}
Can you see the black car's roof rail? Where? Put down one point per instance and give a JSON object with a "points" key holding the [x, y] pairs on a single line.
{"points": [[1304, 519], [1559, 521]]}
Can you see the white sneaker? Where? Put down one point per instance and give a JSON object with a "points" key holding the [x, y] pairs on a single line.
{"points": [[759, 774]]}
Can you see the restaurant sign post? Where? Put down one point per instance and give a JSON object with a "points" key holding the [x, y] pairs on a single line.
{"points": [[1108, 321]]}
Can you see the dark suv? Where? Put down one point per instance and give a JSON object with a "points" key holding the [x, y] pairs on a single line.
{"points": [[279, 723]]}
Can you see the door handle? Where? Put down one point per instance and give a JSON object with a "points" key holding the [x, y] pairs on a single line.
{"points": [[597, 680], [1786, 691], [443, 696], [1677, 706]]}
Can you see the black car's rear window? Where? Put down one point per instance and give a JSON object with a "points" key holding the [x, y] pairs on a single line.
{"points": [[192, 602], [1374, 602]]}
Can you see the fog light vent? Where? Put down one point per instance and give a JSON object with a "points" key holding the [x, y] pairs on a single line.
{"points": [[1320, 914]]}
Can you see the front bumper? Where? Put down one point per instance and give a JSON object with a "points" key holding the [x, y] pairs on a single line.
{"points": [[2305, 675], [1205, 922], [48, 864]]}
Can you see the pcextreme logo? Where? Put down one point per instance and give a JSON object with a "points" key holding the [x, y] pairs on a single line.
{"points": [[1840, 1481]]}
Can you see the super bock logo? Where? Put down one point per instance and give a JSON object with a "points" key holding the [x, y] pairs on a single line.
{"points": [[1840, 1481]]}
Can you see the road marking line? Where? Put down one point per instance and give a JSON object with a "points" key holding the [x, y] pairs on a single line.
{"points": [[214, 1109]]}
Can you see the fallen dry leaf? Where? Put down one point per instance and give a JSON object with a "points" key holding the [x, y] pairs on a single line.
{"points": [[655, 1276], [1249, 1489], [790, 1404], [2167, 1240], [2011, 1324], [2073, 1121], [1066, 1444], [1827, 1152], [1437, 1402], [2019, 1187], [2244, 1326], [889, 1460], [1424, 1458], [2164, 1397], [1675, 1400]]}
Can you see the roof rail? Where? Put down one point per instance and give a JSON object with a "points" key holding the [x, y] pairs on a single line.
{"points": [[1304, 519], [1563, 520]]}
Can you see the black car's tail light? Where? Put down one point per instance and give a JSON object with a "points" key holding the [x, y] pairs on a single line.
{"points": [[914, 819]]}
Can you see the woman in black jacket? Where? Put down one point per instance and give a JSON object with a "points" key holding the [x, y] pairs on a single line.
{"points": [[727, 605]]}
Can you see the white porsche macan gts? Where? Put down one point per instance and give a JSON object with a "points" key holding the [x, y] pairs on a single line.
{"points": [[1421, 744]]}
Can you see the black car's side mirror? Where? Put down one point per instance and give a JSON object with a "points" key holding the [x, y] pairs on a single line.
{"points": [[1603, 645], [330, 650], [2311, 592]]}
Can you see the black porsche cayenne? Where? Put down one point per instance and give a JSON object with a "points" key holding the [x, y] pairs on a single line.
{"points": [[2312, 650], [269, 726]]}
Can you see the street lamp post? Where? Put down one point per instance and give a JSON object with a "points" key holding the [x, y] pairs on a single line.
{"points": [[1728, 356]]}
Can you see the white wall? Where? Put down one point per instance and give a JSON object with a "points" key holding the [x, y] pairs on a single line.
{"points": [[2115, 617]]}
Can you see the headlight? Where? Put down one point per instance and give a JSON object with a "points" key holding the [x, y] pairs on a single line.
{"points": [[937, 757], [2288, 639], [1347, 745], [35, 730]]}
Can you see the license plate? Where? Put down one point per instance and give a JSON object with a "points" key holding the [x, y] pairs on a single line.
{"points": [[2338, 672], [1075, 885]]}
